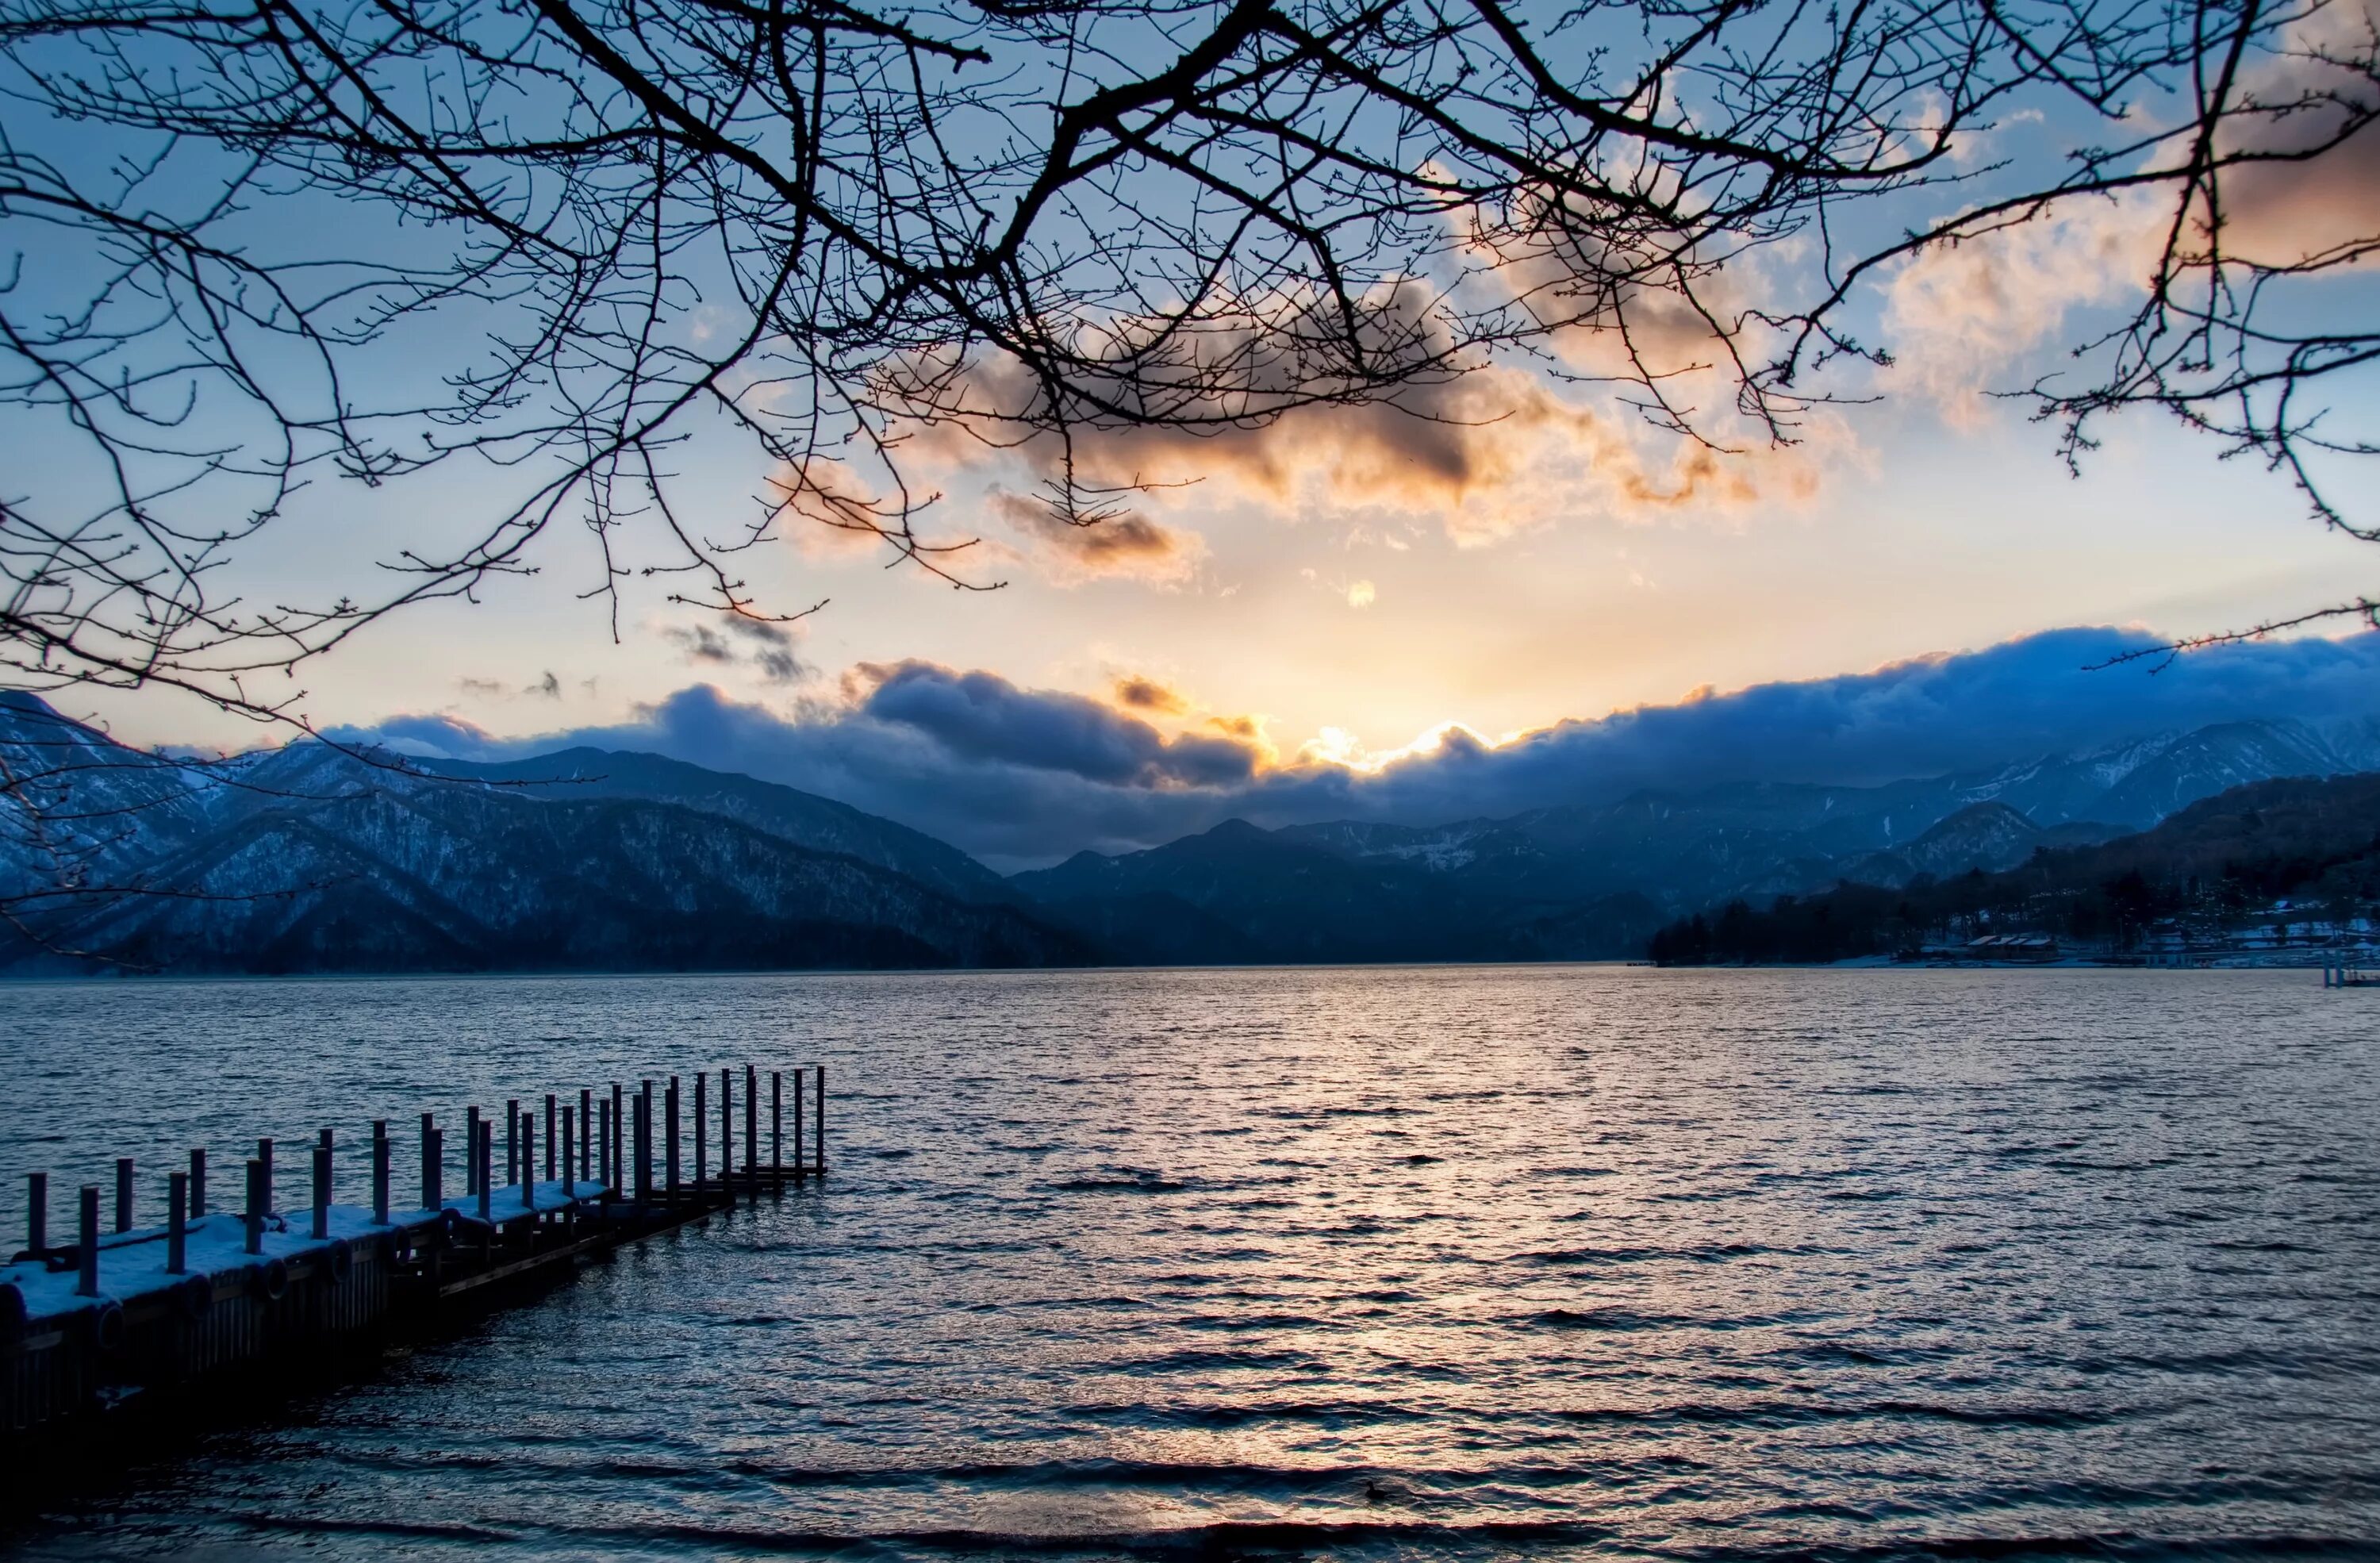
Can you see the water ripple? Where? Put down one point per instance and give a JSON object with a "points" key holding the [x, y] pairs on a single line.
{"points": [[1440, 1263]]}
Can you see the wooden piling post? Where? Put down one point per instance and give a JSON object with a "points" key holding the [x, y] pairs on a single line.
{"points": [[550, 1141], [483, 1155], [258, 1181], [321, 1228], [512, 1141], [470, 1151], [37, 1211], [264, 1155], [645, 1142], [380, 1171], [198, 1182], [669, 1137], [123, 1193], [178, 1221], [701, 1129], [751, 1124], [614, 1139], [528, 1161], [433, 1163], [726, 1128], [777, 1122], [569, 1168], [798, 1123], [817, 1149], [431, 1191], [86, 1243], [586, 1134]]}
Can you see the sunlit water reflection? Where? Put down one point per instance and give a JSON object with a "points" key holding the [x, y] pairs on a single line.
{"points": [[1376, 1262]]}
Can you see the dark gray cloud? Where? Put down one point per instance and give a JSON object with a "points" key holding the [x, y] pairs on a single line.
{"points": [[546, 686], [982, 718], [1021, 776], [735, 640]]}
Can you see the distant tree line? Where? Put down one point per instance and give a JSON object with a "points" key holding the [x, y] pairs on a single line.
{"points": [[2316, 842]]}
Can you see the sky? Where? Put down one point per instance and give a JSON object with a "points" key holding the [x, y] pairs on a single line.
{"points": [[1299, 612], [1323, 623]]}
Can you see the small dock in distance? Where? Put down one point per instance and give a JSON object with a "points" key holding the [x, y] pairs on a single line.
{"points": [[144, 1312]]}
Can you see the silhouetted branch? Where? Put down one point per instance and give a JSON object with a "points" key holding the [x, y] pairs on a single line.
{"points": [[2167, 652]]}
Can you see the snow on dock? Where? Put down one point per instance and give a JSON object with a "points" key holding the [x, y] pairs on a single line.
{"points": [[90, 1324]]}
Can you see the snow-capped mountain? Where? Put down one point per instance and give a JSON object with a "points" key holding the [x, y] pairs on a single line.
{"points": [[311, 859], [1589, 880]]}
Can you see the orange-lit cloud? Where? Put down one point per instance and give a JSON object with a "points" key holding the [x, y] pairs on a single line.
{"points": [[2325, 206], [1236, 410], [1489, 455], [1147, 695], [1960, 317], [1129, 546]]}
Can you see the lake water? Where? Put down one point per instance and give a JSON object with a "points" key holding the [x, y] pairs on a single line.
{"points": [[1368, 1263]]}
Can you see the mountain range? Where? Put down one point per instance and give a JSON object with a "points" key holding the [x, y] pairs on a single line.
{"points": [[310, 858], [2253, 860], [313, 857], [1594, 882]]}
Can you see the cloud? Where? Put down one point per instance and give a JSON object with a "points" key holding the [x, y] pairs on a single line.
{"points": [[981, 717], [546, 686], [1487, 450], [1960, 316], [2308, 204], [700, 643], [2304, 190], [767, 647], [1147, 695], [1926, 716], [1022, 776], [1128, 546]]}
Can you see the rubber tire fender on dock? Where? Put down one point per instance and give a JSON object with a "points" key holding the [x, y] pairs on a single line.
{"points": [[13, 1314], [108, 1326], [341, 1259], [270, 1281], [193, 1297]]}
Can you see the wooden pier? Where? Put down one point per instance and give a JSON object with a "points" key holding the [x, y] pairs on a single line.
{"points": [[143, 1312]]}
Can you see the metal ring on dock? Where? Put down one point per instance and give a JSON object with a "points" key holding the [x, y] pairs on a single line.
{"points": [[107, 1325], [270, 1280]]}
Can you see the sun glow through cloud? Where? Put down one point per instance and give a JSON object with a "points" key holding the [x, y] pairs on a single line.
{"points": [[1337, 745]]}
